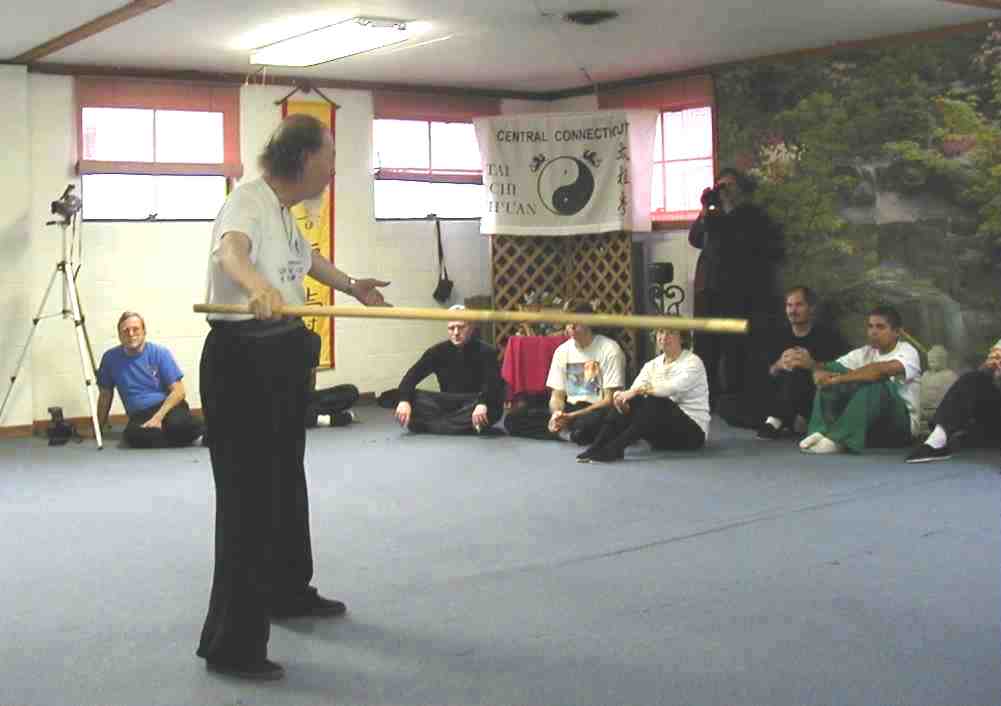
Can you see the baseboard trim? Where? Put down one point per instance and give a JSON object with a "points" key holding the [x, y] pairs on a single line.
{"points": [[38, 427]]}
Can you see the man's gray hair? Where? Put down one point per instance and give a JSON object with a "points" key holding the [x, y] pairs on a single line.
{"points": [[297, 137]]}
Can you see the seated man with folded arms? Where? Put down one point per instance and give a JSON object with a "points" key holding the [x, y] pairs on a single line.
{"points": [[149, 382], [974, 399], [868, 397], [472, 392], [584, 374], [666, 406], [793, 352]]}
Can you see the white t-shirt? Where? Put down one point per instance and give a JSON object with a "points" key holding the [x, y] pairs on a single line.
{"points": [[278, 250], [908, 384], [584, 373], [682, 380]]}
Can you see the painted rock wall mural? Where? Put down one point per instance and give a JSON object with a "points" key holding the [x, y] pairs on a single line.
{"points": [[884, 168]]}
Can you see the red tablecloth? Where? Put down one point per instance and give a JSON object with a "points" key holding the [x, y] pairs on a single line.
{"points": [[526, 363]]}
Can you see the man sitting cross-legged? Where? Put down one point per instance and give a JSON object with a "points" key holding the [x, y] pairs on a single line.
{"points": [[472, 391], [869, 396], [584, 373], [150, 384], [974, 399], [793, 352]]}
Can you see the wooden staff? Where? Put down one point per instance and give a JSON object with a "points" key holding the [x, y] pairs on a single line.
{"points": [[555, 316]]}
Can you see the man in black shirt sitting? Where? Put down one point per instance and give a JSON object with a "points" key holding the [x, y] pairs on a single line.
{"points": [[794, 352], [472, 391]]}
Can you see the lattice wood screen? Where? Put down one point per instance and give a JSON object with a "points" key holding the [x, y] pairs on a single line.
{"points": [[593, 267]]}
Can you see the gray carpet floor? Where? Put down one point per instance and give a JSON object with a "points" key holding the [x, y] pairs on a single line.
{"points": [[499, 571]]}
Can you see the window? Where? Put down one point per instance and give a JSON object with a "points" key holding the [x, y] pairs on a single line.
{"points": [[424, 166], [684, 151], [156, 153], [425, 154], [682, 163]]}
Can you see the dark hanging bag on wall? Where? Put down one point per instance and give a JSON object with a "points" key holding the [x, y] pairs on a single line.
{"points": [[443, 290]]}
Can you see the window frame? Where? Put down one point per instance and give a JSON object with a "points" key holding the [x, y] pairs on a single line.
{"points": [[674, 220], [429, 175]]}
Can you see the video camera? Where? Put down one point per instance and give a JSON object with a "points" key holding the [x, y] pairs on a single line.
{"points": [[67, 205], [711, 199]]}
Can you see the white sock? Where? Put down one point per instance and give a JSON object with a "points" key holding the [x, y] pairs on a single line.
{"points": [[774, 422], [938, 438], [811, 440], [825, 446]]}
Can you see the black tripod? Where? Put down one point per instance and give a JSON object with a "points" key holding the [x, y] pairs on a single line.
{"points": [[66, 271]]}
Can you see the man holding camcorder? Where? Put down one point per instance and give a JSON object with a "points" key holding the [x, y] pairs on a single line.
{"points": [[735, 276]]}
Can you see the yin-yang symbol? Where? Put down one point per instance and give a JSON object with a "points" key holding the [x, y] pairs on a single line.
{"points": [[565, 185]]}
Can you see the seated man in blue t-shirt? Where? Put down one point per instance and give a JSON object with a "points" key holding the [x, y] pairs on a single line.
{"points": [[149, 382]]}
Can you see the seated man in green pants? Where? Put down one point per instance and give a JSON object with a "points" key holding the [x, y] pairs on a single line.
{"points": [[869, 396]]}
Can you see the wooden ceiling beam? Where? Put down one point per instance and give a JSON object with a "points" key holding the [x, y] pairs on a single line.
{"points": [[986, 4], [89, 29]]}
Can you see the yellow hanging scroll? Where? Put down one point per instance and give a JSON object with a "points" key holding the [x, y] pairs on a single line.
{"points": [[318, 228]]}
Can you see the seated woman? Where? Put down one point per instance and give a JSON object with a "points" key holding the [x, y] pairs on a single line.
{"points": [[667, 405]]}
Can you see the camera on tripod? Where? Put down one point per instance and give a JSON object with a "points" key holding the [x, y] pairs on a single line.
{"points": [[67, 205]]}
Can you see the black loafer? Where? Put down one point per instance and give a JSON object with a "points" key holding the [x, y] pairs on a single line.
{"points": [[264, 670], [312, 605]]}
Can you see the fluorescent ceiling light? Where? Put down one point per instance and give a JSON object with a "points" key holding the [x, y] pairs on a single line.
{"points": [[346, 38]]}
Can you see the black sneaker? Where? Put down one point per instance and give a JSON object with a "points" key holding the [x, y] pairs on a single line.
{"points": [[585, 455], [766, 432], [607, 455], [925, 453], [264, 670]]}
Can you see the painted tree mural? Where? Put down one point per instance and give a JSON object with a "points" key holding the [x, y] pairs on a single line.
{"points": [[884, 168]]}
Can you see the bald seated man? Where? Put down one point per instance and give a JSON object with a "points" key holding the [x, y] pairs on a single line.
{"points": [[471, 399]]}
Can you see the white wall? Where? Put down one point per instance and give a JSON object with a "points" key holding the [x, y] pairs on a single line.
{"points": [[19, 300], [158, 269]]}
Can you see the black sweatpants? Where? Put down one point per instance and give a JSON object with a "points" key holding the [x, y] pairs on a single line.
{"points": [[788, 394], [332, 400], [179, 428], [254, 391], [533, 422], [972, 401], [656, 420], [448, 412]]}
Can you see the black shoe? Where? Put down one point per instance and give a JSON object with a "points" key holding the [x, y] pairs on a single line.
{"points": [[766, 432], [310, 605], [585, 455], [607, 455], [925, 453], [389, 399], [264, 670], [342, 419]]}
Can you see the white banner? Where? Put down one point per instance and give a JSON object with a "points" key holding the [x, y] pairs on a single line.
{"points": [[566, 173]]}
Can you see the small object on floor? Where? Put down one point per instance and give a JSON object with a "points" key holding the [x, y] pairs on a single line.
{"points": [[767, 432], [312, 605], [264, 670], [823, 445], [925, 453]]}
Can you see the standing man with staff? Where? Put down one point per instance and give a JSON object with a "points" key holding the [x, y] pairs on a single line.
{"points": [[254, 387]]}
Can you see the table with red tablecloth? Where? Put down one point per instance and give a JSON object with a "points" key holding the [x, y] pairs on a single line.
{"points": [[526, 363]]}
